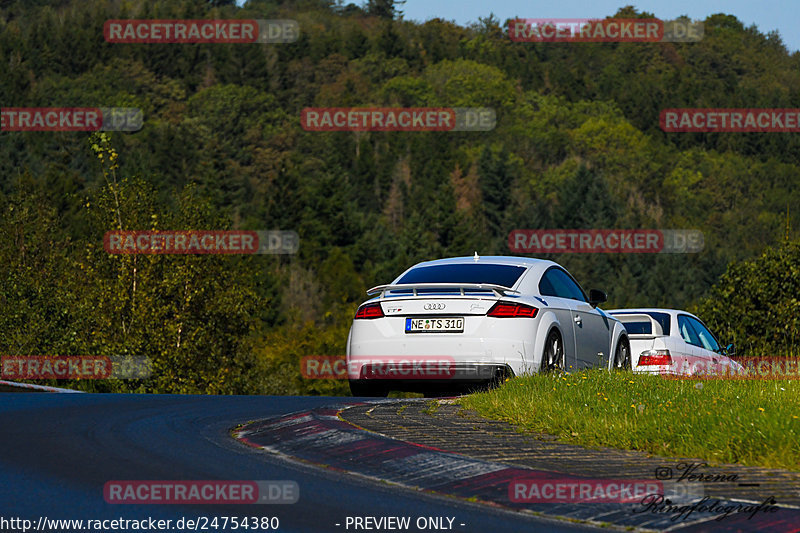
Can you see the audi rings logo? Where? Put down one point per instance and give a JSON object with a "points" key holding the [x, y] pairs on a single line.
{"points": [[434, 307]]}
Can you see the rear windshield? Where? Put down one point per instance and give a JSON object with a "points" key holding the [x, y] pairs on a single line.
{"points": [[504, 275], [639, 328], [661, 318]]}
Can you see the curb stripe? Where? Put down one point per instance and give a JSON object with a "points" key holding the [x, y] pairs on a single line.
{"points": [[321, 437]]}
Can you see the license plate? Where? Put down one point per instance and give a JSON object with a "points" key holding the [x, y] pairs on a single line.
{"points": [[435, 325]]}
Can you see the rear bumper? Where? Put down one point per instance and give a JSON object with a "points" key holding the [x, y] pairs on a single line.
{"points": [[419, 378], [506, 343], [442, 372]]}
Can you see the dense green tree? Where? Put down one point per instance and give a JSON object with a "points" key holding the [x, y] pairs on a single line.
{"points": [[387, 9], [577, 144], [755, 304]]}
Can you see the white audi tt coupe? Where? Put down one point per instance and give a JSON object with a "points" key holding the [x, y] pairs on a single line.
{"points": [[464, 322]]}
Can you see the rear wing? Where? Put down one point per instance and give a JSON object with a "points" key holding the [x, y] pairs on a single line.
{"points": [[640, 319], [499, 290]]}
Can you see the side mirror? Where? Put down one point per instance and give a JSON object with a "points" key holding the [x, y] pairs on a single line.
{"points": [[596, 297], [730, 349]]}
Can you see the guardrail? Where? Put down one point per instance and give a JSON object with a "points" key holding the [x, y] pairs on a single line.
{"points": [[13, 386]]}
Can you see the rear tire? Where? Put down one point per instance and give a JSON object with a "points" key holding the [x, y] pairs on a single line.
{"points": [[622, 355], [553, 355], [368, 390]]}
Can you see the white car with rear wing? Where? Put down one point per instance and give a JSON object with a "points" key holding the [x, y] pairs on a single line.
{"points": [[453, 324], [674, 342]]}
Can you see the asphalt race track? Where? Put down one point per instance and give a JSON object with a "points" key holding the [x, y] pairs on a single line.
{"points": [[57, 451]]}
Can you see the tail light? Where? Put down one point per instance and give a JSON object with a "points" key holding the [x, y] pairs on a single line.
{"points": [[370, 311], [512, 310], [655, 357]]}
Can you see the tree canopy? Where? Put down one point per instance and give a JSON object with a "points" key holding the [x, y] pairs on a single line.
{"points": [[577, 145]]}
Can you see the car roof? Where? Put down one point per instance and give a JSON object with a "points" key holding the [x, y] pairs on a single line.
{"points": [[493, 259], [650, 310], [534, 267]]}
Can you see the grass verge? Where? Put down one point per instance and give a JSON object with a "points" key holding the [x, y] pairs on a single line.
{"points": [[750, 422]]}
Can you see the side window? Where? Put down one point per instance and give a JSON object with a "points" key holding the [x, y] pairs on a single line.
{"points": [[707, 340], [687, 331], [556, 282], [546, 287]]}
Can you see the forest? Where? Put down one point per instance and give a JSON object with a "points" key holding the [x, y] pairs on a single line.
{"points": [[577, 145]]}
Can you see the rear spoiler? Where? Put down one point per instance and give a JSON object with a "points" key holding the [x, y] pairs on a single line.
{"points": [[655, 326], [497, 289]]}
